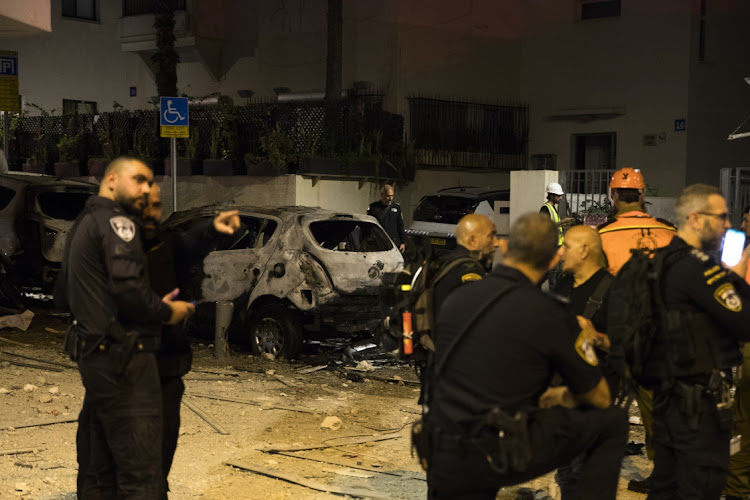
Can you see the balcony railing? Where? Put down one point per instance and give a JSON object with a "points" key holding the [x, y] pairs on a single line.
{"points": [[140, 7]]}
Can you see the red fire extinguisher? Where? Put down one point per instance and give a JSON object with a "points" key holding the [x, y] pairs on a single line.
{"points": [[407, 331]]}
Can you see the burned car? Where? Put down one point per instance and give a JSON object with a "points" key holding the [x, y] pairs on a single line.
{"points": [[36, 213], [289, 271]]}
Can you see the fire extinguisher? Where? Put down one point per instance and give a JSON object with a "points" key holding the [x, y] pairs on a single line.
{"points": [[407, 332]]}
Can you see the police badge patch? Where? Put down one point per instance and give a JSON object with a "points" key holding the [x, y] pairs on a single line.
{"points": [[123, 227], [727, 297]]}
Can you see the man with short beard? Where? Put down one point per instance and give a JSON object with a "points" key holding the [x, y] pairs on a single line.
{"points": [[115, 334], [389, 216]]}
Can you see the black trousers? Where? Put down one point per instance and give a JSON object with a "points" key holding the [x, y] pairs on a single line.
{"points": [[119, 429], [172, 389], [690, 462], [557, 436]]}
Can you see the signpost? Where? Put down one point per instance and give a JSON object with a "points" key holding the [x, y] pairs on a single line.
{"points": [[174, 122], [8, 90]]}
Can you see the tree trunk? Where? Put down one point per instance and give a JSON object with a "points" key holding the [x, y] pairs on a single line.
{"points": [[165, 59], [333, 74]]}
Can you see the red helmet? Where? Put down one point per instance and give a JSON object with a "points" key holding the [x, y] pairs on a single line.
{"points": [[627, 178]]}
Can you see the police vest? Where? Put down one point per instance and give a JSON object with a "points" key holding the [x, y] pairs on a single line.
{"points": [[556, 219]]}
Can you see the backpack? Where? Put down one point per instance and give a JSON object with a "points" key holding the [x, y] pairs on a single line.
{"points": [[636, 315]]}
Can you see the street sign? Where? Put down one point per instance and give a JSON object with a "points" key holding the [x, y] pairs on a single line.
{"points": [[9, 81], [173, 117]]}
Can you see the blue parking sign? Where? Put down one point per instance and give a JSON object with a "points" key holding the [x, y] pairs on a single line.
{"points": [[174, 111]]}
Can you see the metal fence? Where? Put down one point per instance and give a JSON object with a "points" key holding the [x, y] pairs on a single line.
{"points": [[449, 133], [356, 129], [585, 190], [735, 186]]}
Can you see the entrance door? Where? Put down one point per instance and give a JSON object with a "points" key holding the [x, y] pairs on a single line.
{"points": [[594, 151]]}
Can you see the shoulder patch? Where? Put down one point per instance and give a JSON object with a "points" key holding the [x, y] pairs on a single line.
{"points": [[727, 297], [699, 254], [470, 277], [123, 227], [585, 349]]}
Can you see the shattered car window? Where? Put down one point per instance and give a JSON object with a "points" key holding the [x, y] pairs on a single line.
{"points": [[444, 209], [65, 206], [350, 236], [6, 195]]}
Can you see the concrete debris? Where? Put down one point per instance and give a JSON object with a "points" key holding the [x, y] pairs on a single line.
{"points": [[364, 365], [272, 463], [41, 380], [270, 372], [333, 423], [20, 321], [22, 487], [45, 398], [29, 388], [3, 390], [54, 390], [5, 364], [270, 356], [635, 420]]}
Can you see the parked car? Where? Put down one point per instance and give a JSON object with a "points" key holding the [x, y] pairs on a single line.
{"points": [[36, 213], [291, 270], [437, 214]]}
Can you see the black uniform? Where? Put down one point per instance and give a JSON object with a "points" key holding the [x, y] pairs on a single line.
{"points": [[389, 216], [108, 293], [506, 361], [465, 272], [708, 313]]}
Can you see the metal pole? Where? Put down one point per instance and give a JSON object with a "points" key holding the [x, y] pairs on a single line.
{"points": [[173, 153], [224, 310]]}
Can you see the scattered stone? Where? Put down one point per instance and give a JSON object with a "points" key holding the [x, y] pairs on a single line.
{"points": [[21, 487], [344, 385], [41, 381], [48, 480], [272, 462], [3, 390], [54, 390], [45, 398], [364, 365], [270, 356], [635, 420], [333, 423], [268, 429], [5, 364], [29, 388], [396, 377], [270, 372]]}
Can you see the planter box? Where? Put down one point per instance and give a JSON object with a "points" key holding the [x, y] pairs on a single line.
{"points": [[218, 167], [97, 167], [263, 169], [333, 167], [184, 167], [67, 169], [33, 168]]}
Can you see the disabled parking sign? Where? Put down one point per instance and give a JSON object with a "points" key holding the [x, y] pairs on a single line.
{"points": [[173, 117]]}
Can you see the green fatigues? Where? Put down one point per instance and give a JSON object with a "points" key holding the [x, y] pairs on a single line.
{"points": [[738, 479]]}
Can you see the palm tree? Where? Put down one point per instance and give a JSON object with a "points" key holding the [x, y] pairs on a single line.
{"points": [[165, 59]]}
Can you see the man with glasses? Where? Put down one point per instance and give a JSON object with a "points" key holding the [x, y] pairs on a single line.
{"points": [[707, 310]]}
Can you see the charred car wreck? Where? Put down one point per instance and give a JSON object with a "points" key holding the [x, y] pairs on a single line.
{"points": [[290, 270]]}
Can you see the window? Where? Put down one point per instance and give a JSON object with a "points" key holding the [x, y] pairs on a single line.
{"points": [[445, 209], [80, 9], [6, 195], [350, 236], [597, 9], [254, 232], [65, 205], [72, 107]]}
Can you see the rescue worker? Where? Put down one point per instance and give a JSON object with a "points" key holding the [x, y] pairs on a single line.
{"points": [[707, 309], [115, 334], [738, 479], [554, 196], [498, 343], [584, 284], [389, 216], [632, 228]]}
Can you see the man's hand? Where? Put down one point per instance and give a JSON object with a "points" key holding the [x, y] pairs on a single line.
{"points": [[180, 309], [227, 222], [741, 267], [587, 328], [566, 222], [557, 396], [401, 248]]}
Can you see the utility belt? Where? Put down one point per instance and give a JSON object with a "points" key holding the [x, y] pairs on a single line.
{"points": [[504, 440], [117, 342], [715, 393]]}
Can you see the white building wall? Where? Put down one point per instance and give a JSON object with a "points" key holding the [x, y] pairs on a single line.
{"points": [[638, 62]]}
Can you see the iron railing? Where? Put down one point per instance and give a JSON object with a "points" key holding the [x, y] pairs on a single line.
{"points": [[735, 186], [585, 190], [140, 7]]}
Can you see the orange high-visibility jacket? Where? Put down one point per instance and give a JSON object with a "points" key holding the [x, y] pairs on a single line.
{"points": [[632, 230]]}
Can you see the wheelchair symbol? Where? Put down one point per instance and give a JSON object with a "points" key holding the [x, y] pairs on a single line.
{"points": [[171, 112]]}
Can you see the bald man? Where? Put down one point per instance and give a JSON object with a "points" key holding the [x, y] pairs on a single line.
{"points": [[389, 216]]}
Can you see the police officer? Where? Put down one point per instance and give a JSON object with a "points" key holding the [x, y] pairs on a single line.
{"points": [[554, 196], [707, 310], [116, 332], [498, 343], [631, 227], [389, 216]]}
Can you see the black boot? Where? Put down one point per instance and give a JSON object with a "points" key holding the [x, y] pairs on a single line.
{"points": [[640, 486]]}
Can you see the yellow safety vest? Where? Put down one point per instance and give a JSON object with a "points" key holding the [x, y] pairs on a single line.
{"points": [[556, 219]]}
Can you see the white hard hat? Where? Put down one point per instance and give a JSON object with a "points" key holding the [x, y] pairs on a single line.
{"points": [[554, 188]]}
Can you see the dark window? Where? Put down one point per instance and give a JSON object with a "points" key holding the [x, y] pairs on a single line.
{"points": [[596, 9], [65, 206], [444, 209], [80, 9], [73, 107], [6, 195], [350, 236], [140, 7]]}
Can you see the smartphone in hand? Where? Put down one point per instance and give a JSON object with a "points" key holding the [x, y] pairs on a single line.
{"points": [[734, 244]]}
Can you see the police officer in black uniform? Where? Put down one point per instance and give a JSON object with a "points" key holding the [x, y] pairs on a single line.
{"points": [[707, 313], [389, 216], [175, 355], [115, 334], [498, 344]]}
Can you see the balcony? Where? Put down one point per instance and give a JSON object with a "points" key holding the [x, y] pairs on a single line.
{"points": [[25, 18], [198, 31]]}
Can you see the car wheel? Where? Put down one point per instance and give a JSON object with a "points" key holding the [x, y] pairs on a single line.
{"points": [[275, 330]]}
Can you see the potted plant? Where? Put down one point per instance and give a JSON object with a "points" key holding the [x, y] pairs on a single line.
{"points": [[111, 135], [40, 145], [223, 144], [277, 151], [593, 213], [69, 150], [145, 142]]}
